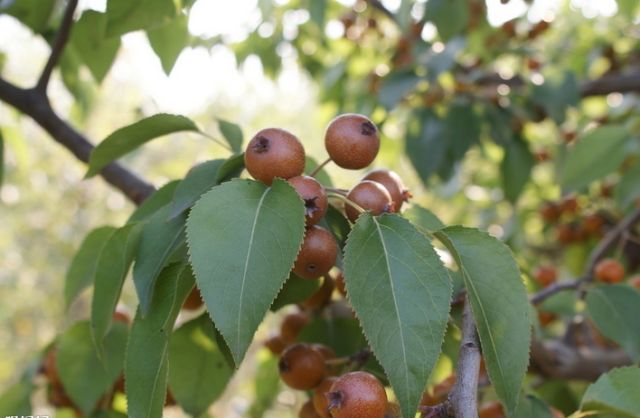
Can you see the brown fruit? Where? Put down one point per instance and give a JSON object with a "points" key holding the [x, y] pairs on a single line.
{"points": [[326, 352], [301, 367], [292, 324], [555, 413], [370, 196], [317, 255], [393, 410], [394, 185], [308, 411], [320, 399], [352, 141], [491, 410], [609, 271], [57, 397], [565, 234], [550, 212], [357, 395], [274, 153], [545, 275], [121, 316], [193, 300], [276, 344], [635, 281], [50, 369], [314, 197], [321, 297], [592, 224], [545, 318], [440, 392], [569, 205]]}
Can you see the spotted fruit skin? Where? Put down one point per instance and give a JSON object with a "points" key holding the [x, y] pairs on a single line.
{"points": [[314, 196], [370, 196], [394, 185], [318, 253], [301, 367], [352, 141], [357, 395], [272, 153], [609, 271], [320, 399]]}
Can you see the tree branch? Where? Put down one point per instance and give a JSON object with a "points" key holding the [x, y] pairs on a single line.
{"points": [[33, 103], [377, 4], [58, 46], [599, 252]]}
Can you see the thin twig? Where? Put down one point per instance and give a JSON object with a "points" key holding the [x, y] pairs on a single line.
{"points": [[58, 46], [320, 167]]}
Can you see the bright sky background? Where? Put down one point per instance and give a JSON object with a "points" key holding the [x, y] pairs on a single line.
{"points": [[202, 75]]}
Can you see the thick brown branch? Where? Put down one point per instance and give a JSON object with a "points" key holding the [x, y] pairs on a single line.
{"points": [[58, 46], [36, 105]]}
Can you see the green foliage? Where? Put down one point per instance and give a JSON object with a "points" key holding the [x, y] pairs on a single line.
{"points": [[17, 399], [294, 290], [127, 139], [401, 294], [169, 40], [449, 16], [516, 168], [615, 309], [198, 180], [88, 40], [616, 392], [35, 14], [628, 189], [126, 16], [244, 237], [232, 133], [423, 218]]}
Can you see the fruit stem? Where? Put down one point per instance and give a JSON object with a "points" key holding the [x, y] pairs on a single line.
{"points": [[320, 167], [218, 141], [346, 200], [338, 191]]}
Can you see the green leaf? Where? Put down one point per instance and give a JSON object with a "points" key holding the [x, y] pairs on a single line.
{"points": [[232, 133], [169, 40], [425, 144], [423, 218], [16, 400], [198, 180], [1, 158], [33, 13], [128, 16], [627, 190], [112, 266], [401, 293], [162, 197], [88, 39], [343, 335], [532, 407], [266, 385], [461, 128], [556, 95], [85, 377], [615, 310], [198, 372], [160, 238], [516, 168], [449, 16], [146, 365], [127, 139], [597, 154], [231, 168], [318, 10], [294, 290], [335, 221], [499, 304], [396, 86], [83, 266], [244, 237], [616, 391]]}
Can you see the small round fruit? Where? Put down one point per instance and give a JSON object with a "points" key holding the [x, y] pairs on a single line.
{"points": [[370, 196], [545, 275], [320, 399], [550, 212], [326, 352], [545, 318], [569, 205], [393, 410], [609, 271], [193, 300], [121, 316], [593, 224], [276, 344], [352, 141], [635, 281], [274, 153], [317, 255], [301, 367], [292, 324], [357, 395], [314, 197], [308, 411], [394, 185]]}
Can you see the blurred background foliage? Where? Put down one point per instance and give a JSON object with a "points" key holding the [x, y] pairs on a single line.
{"points": [[478, 103]]}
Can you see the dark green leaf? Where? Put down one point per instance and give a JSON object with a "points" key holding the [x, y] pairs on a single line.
{"points": [[198, 372], [162, 197], [442, 61], [461, 129], [627, 190], [112, 266], [555, 96], [318, 10], [33, 13], [1, 158], [232, 133], [531, 407], [146, 367], [88, 39], [231, 168], [128, 16], [266, 385], [169, 40], [395, 87], [426, 147], [423, 218], [616, 391], [243, 238], [449, 16], [516, 168], [127, 139], [198, 180], [335, 221], [85, 377], [499, 304], [597, 154], [16, 400], [160, 238], [294, 290], [401, 293], [343, 335], [615, 310], [83, 266]]}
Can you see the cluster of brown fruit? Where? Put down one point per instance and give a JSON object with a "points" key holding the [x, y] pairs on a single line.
{"points": [[570, 225], [352, 142]]}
